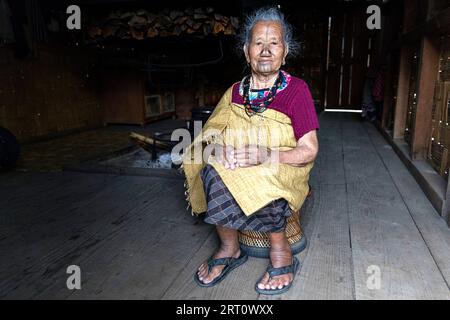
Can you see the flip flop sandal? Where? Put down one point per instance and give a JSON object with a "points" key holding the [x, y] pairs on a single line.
{"points": [[230, 264], [273, 272]]}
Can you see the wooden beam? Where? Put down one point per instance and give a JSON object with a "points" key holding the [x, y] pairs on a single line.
{"points": [[437, 25], [427, 75], [409, 15], [446, 205], [387, 101], [401, 107], [389, 32]]}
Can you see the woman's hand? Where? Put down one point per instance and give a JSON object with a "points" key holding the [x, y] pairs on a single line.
{"points": [[225, 156], [252, 155]]}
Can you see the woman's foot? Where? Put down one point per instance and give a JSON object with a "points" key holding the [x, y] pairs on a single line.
{"points": [[279, 257], [206, 276]]}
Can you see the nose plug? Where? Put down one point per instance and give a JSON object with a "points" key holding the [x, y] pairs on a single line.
{"points": [[265, 50]]}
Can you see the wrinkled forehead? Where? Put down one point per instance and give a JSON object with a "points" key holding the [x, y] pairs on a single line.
{"points": [[266, 30]]}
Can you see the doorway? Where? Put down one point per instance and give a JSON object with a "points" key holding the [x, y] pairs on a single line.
{"points": [[349, 53]]}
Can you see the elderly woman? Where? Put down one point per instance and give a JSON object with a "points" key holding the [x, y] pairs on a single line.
{"points": [[257, 150]]}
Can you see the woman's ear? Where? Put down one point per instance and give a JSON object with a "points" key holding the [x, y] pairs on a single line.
{"points": [[247, 56], [286, 51]]}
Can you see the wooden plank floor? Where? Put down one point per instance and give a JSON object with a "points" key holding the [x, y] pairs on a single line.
{"points": [[133, 239]]}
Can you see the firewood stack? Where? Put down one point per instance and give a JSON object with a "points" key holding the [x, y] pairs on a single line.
{"points": [[142, 24]]}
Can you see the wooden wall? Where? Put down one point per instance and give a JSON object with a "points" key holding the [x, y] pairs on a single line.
{"points": [[421, 105], [122, 95], [47, 94], [416, 81]]}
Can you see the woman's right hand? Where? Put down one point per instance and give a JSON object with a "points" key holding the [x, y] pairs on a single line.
{"points": [[226, 156]]}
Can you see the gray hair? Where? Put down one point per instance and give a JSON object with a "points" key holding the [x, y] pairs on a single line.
{"points": [[268, 14]]}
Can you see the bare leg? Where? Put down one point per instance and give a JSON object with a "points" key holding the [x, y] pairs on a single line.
{"points": [[229, 247], [280, 256]]}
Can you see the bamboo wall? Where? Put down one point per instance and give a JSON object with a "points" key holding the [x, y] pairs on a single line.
{"points": [[440, 130], [52, 92], [412, 95]]}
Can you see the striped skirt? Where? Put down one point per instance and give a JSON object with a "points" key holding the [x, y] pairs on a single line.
{"points": [[223, 210]]}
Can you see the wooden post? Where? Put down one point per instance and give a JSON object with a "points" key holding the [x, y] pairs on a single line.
{"points": [[445, 213], [404, 73], [185, 102], [391, 24], [401, 106], [387, 101], [428, 70]]}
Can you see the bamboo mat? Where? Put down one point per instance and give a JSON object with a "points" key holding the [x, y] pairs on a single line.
{"points": [[54, 154]]}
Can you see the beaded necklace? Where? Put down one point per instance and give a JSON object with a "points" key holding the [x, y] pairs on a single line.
{"points": [[253, 107]]}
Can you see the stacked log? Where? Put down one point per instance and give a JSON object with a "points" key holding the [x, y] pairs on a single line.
{"points": [[147, 142], [142, 24]]}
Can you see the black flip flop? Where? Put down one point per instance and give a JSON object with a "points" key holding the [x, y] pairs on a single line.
{"points": [[273, 272], [230, 264]]}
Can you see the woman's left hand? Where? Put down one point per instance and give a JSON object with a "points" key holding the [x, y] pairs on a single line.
{"points": [[251, 155]]}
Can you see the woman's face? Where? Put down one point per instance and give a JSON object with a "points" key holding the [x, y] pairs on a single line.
{"points": [[266, 50]]}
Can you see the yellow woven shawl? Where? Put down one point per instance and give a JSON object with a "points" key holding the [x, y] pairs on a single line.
{"points": [[252, 187]]}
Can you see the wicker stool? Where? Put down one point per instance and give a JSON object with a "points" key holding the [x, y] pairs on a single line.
{"points": [[257, 244]]}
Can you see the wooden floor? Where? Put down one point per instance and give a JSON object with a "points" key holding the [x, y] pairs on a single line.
{"points": [[133, 239]]}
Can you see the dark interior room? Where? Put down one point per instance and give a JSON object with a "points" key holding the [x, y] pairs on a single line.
{"points": [[95, 204]]}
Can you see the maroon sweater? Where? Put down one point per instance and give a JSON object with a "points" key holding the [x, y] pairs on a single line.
{"points": [[295, 101]]}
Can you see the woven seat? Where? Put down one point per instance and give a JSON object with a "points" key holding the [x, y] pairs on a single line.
{"points": [[257, 244]]}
